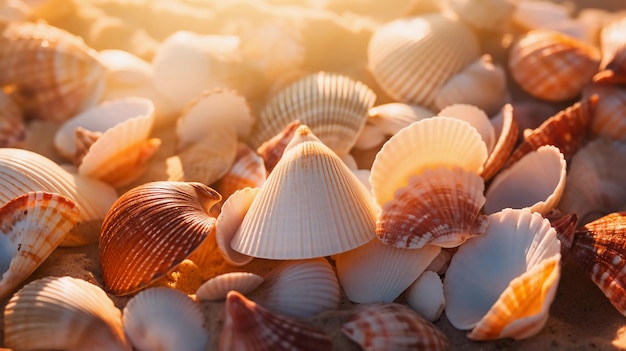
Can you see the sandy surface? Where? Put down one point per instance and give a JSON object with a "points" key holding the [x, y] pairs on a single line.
{"points": [[336, 37]]}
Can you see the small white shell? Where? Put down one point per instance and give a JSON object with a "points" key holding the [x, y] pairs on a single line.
{"points": [[228, 221], [217, 288], [474, 116], [425, 296]]}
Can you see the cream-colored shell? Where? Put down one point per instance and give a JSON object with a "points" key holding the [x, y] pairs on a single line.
{"points": [[248, 170], [491, 15], [475, 116], [425, 296], [228, 221], [216, 288], [311, 205]]}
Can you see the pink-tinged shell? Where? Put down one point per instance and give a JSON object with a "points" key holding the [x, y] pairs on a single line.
{"points": [[228, 221], [476, 117], [391, 326], [164, 319], [248, 326], [272, 150], [334, 106], [441, 207], [503, 283], [532, 14], [216, 288], [607, 121], [12, 129], [31, 227], [63, 313], [507, 139], [613, 46], [552, 66], [299, 288], [247, 171], [425, 296], [536, 182], [599, 249], [52, 73], [481, 84], [311, 205], [386, 272], [150, 230], [569, 130], [412, 58], [594, 185], [491, 15], [429, 143]]}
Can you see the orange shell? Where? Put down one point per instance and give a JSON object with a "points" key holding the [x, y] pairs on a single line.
{"points": [[609, 121], [504, 146]]}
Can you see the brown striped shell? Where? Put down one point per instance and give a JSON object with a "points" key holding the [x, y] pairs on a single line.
{"points": [[509, 131], [152, 228], [608, 120]]}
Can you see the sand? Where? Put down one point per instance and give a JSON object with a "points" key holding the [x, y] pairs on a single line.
{"points": [[336, 35]]}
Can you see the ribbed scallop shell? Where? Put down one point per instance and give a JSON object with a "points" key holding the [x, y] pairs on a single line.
{"points": [[377, 272], [508, 134], [151, 229], [413, 57], [391, 326], [552, 66], [503, 282], [63, 313], [164, 319], [311, 205], [429, 143], [299, 288], [23, 171], [565, 226], [536, 182], [272, 150], [599, 249], [12, 129], [228, 221], [441, 207], [474, 116], [32, 226], [52, 72], [334, 106], [248, 326], [607, 121], [425, 296], [247, 171], [491, 15], [217, 288]]}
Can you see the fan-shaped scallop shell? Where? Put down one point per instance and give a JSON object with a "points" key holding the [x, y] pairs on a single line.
{"points": [[248, 326], [53, 73], [12, 129], [607, 121], [474, 116], [228, 221], [63, 313], [299, 288], [513, 187], [429, 143], [599, 249], [552, 66], [150, 229], [217, 288], [391, 326], [32, 226], [440, 206], [334, 107], [247, 171], [502, 283], [164, 319], [311, 205], [425, 296], [412, 58], [508, 133]]}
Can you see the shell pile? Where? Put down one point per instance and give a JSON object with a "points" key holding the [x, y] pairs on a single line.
{"points": [[182, 175]]}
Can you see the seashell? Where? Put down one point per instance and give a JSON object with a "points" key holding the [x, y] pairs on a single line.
{"points": [[334, 107], [481, 84], [32, 225], [247, 171], [391, 326], [429, 143], [565, 226], [299, 288], [508, 132], [23, 171], [412, 58], [298, 227], [233, 212], [441, 206], [213, 110], [533, 14], [150, 229], [386, 120], [613, 47], [63, 313], [598, 249], [510, 299], [511, 188], [474, 116], [594, 185], [12, 129], [247, 326], [52, 73], [164, 319], [377, 272], [272, 150], [492, 15], [552, 66], [568, 130], [611, 105], [217, 288], [425, 296]]}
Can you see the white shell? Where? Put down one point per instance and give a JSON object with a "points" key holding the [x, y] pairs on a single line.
{"points": [[217, 288], [228, 221], [474, 116], [491, 15], [425, 296], [164, 319]]}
